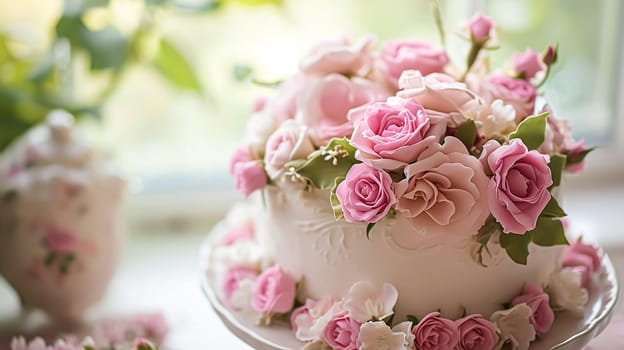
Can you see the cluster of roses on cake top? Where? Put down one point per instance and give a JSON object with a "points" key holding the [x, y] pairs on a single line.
{"points": [[404, 131]]}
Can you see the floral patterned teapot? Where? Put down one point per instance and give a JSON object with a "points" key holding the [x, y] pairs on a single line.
{"points": [[60, 224]]}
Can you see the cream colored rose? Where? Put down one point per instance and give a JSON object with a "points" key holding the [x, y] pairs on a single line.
{"points": [[566, 291], [497, 119]]}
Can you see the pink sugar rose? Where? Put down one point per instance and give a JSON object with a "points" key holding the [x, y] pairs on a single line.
{"points": [[274, 291], [518, 191], [539, 302], [290, 141], [584, 258], [435, 333], [249, 176], [442, 190], [401, 55], [389, 135], [365, 194], [235, 234], [440, 94], [480, 27], [324, 105], [528, 63], [233, 277], [476, 333], [60, 241], [240, 155], [489, 147], [283, 105], [339, 55], [516, 92], [341, 332]]}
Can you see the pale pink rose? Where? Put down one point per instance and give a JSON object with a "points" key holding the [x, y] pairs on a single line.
{"points": [[489, 147], [366, 194], [480, 27], [241, 154], [476, 333], [324, 105], [542, 316], [516, 92], [389, 135], [341, 333], [290, 141], [518, 191], [442, 192], [339, 55], [528, 63], [249, 177], [401, 55], [274, 291], [60, 241], [233, 277], [236, 234], [435, 333], [283, 105], [584, 258], [440, 94]]}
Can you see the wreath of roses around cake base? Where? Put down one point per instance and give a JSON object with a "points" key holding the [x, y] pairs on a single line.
{"points": [[364, 318]]}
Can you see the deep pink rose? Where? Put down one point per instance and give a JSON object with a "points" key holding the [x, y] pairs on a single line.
{"points": [[341, 333], [583, 257], [249, 176], [518, 191], [235, 234], [401, 55], [435, 333], [241, 154], [389, 135], [60, 241], [516, 92], [233, 277], [442, 192], [476, 333], [274, 292], [539, 302], [480, 27], [440, 95], [324, 105], [528, 63], [290, 141], [365, 194], [339, 55]]}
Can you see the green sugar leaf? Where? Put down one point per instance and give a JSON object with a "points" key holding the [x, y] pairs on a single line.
{"points": [[531, 131], [552, 209], [369, 228], [467, 133], [549, 232], [556, 165], [333, 199], [516, 246]]}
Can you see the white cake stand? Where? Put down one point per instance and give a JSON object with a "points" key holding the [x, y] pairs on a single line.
{"points": [[570, 331]]}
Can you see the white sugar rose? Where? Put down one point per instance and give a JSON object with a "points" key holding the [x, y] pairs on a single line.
{"points": [[378, 336], [290, 141], [241, 299], [496, 119], [566, 291], [514, 327], [259, 127]]}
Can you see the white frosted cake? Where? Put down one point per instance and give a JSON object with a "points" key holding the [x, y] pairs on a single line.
{"points": [[399, 201]]}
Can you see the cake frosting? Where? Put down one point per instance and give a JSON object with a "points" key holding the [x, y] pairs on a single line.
{"points": [[399, 201]]}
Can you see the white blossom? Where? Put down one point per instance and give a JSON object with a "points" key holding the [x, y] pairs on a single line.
{"points": [[378, 336], [365, 302], [566, 291], [514, 326]]}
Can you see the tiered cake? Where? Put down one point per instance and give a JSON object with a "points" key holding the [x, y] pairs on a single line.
{"points": [[403, 202]]}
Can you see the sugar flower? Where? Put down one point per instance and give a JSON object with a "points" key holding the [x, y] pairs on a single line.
{"points": [[566, 291], [435, 333], [378, 336], [365, 302], [514, 327]]}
